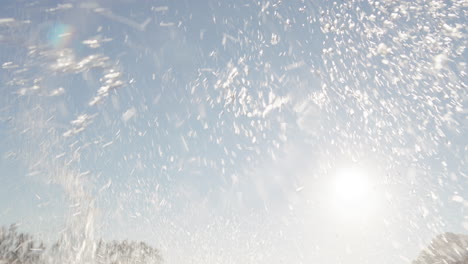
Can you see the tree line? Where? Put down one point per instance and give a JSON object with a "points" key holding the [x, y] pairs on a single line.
{"points": [[21, 248]]}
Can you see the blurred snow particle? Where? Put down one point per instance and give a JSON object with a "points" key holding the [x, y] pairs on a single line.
{"points": [[159, 8], [80, 120], [79, 124], [6, 20], [295, 65], [228, 37], [274, 39], [457, 198], [121, 19], [166, 24], [130, 113], [453, 31], [57, 92], [95, 42], [382, 49], [299, 189], [440, 61], [9, 65], [184, 143], [60, 7], [110, 81]]}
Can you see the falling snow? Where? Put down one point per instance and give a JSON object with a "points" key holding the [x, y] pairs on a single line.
{"points": [[219, 132]]}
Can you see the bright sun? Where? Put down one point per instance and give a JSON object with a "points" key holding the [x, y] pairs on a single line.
{"points": [[352, 192]]}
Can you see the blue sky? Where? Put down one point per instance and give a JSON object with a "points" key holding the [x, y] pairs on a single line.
{"points": [[218, 131]]}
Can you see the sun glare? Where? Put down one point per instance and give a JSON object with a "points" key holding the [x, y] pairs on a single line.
{"points": [[352, 192], [351, 185]]}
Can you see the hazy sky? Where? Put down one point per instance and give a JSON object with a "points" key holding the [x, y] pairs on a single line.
{"points": [[247, 132]]}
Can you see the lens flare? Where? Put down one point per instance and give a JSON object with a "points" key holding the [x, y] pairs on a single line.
{"points": [[60, 35]]}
